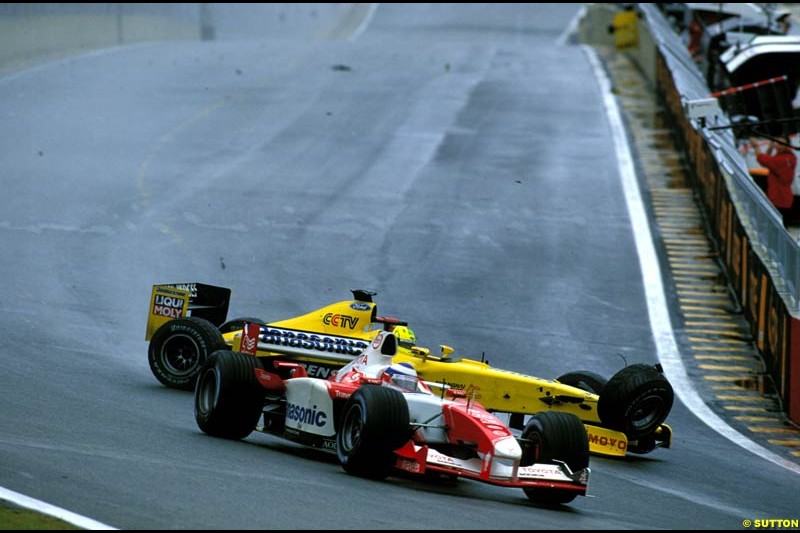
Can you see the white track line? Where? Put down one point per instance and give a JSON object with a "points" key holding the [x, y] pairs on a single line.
{"points": [[667, 348], [660, 324], [67, 516], [364, 23]]}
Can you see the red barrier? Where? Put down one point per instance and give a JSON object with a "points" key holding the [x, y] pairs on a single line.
{"points": [[741, 88]]}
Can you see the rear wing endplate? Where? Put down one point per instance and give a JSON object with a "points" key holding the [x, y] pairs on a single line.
{"points": [[176, 300]]}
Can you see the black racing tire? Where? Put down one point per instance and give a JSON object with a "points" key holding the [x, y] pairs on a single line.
{"points": [[179, 348], [584, 380], [635, 401], [236, 324], [374, 423], [228, 400], [552, 436]]}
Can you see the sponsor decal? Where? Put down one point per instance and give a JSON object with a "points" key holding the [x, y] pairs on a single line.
{"points": [[409, 465], [168, 306], [329, 445], [541, 471], [191, 287], [773, 331], [473, 391], [434, 456], [544, 469], [305, 415], [340, 321], [754, 290], [608, 442], [360, 306], [318, 371], [738, 256], [310, 341], [250, 338]]}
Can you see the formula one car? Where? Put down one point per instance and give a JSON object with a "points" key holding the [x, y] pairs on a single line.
{"points": [[187, 322], [378, 416]]}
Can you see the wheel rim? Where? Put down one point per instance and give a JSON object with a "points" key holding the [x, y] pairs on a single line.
{"points": [[647, 413], [351, 428], [208, 392], [180, 355], [532, 451]]}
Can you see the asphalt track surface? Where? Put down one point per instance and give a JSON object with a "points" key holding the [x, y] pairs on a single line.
{"points": [[456, 159]]}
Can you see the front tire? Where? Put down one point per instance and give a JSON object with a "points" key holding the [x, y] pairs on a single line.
{"points": [[552, 436], [374, 423], [636, 400], [228, 400], [179, 348]]}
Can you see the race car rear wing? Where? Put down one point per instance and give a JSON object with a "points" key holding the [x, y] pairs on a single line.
{"points": [[176, 300]]}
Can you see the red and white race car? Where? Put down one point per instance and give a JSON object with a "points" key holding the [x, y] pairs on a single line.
{"points": [[378, 416]]}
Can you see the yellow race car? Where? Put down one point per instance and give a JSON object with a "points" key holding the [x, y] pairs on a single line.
{"points": [[187, 322]]}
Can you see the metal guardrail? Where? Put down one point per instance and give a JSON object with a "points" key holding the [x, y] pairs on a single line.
{"points": [[765, 228]]}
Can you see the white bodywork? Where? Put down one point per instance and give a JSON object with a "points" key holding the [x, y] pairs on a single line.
{"points": [[309, 407], [497, 453]]}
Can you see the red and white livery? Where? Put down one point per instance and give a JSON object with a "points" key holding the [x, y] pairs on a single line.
{"points": [[379, 417]]}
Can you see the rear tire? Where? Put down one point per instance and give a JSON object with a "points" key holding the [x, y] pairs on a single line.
{"points": [[635, 401], [179, 348], [237, 324], [584, 380], [555, 436], [374, 423], [228, 400]]}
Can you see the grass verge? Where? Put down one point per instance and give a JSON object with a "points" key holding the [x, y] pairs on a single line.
{"points": [[17, 518]]}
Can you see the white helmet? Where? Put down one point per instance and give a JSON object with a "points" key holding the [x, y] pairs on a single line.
{"points": [[402, 375]]}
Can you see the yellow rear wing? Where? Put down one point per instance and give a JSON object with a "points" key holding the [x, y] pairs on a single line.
{"points": [[177, 300]]}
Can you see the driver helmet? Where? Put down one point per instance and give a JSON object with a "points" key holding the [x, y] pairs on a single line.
{"points": [[402, 375], [405, 337]]}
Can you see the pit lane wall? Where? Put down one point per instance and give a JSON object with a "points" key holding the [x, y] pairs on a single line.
{"points": [[761, 259], [31, 33]]}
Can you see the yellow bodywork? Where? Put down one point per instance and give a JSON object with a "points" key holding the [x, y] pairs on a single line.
{"points": [[505, 391], [166, 303], [501, 391]]}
